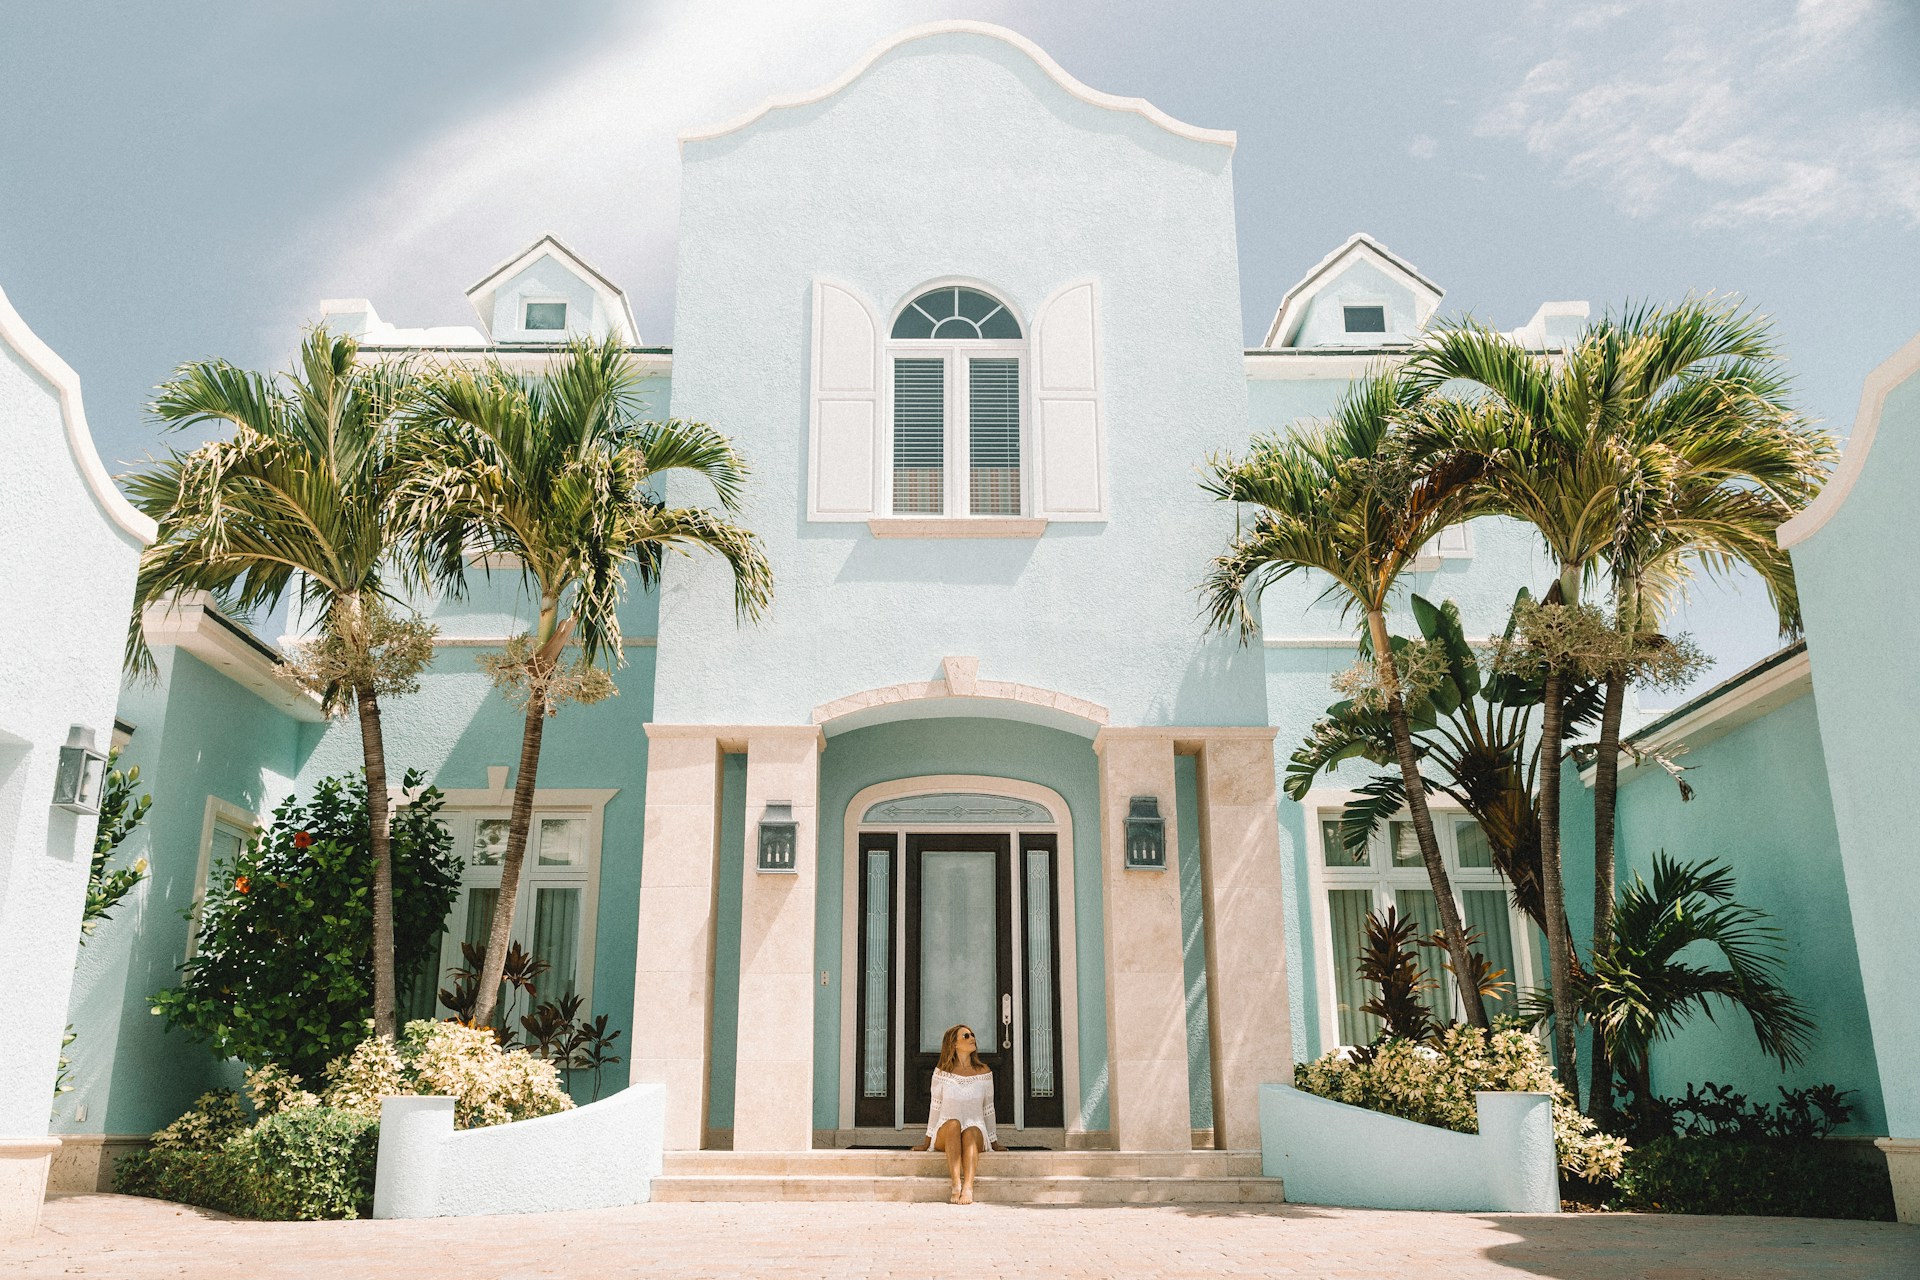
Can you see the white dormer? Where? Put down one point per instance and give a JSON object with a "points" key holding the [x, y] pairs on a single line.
{"points": [[1555, 326], [1360, 295], [547, 293]]}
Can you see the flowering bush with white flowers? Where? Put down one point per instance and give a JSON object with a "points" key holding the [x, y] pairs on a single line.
{"points": [[1435, 1083]]}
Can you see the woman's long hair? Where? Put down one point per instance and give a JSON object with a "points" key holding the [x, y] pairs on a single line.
{"points": [[950, 1050]]}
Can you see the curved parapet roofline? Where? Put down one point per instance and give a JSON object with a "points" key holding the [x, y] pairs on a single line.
{"points": [[1890, 373], [45, 361], [1111, 102]]}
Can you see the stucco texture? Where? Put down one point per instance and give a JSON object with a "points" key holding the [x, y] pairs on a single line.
{"points": [[956, 155]]}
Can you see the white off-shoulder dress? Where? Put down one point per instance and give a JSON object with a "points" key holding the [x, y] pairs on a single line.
{"points": [[968, 1099]]}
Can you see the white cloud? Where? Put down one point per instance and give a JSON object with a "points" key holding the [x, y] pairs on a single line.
{"points": [[1742, 114], [1422, 147]]}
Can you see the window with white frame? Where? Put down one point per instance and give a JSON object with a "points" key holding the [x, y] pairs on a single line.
{"points": [[553, 914], [954, 361], [225, 831], [544, 315], [1389, 872]]}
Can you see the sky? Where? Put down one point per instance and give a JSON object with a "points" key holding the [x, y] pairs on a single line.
{"points": [[183, 181]]}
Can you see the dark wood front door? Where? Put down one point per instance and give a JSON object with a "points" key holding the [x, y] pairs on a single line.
{"points": [[959, 953], [952, 928]]}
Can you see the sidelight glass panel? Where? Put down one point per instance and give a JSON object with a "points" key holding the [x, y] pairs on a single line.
{"points": [[876, 993], [959, 943], [479, 916], [919, 437], [1039, 973], [1487, 914], [556, 940], [993, 437], [1347, 909]]}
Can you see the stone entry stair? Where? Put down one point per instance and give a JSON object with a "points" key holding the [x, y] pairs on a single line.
{"points": [[1014, 1177]]}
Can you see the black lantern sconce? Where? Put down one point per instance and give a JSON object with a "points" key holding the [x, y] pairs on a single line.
{"points": [[77, 785], [779, 839], [1146, 835]]}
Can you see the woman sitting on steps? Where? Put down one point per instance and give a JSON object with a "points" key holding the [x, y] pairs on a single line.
{"points": [[960, 1119]]}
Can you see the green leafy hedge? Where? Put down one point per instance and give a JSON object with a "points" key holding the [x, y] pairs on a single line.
{"points": [[1775, 1177], [304, 1164]]}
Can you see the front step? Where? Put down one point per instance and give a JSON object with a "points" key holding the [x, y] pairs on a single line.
{"points": [[1016, 1177]]}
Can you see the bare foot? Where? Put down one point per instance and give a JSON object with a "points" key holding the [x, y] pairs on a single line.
{"points": [[966, 1196], [953, 1195]]}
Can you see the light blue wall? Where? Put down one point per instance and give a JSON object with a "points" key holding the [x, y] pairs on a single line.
{"points": [[1860, 589], [998, 748], [1762, 806], [546, 280], [197, 734], [957, 155]]}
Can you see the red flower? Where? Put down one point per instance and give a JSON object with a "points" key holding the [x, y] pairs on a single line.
{"points": [[241, 884], [301, 840]]}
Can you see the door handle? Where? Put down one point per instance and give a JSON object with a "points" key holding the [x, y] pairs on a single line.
{"points": [[1006, 1020]]}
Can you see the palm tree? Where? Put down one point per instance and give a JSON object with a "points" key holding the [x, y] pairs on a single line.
{"points": [[1709, 397], [1638, 990], [559, 472], [1588, 447], [295, 503], [1344, 498]]}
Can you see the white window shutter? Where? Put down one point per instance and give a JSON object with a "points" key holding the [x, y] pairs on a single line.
{"points": [[1070, 451], [844, 456]]}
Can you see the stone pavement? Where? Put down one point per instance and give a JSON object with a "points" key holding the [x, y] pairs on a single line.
{"points": [[134, 1239]]}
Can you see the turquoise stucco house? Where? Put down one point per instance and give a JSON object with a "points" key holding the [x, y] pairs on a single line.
{"points": [[975, 324]]}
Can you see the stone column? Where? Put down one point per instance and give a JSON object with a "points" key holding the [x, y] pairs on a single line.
{"points": [[1248, 1017], [673, 970], [773, 1094], [1146, 981]]}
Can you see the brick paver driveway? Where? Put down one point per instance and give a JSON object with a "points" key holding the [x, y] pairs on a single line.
{"points": [[131, 1239]]}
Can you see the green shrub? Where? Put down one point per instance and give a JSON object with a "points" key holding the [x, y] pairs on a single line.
{"points": [[1777, 1177], [1434, 1084], [282, 972], [303, 1164]]}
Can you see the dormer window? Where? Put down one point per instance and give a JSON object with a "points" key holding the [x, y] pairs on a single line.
{"points": [[1366, 319], [549, 316]]}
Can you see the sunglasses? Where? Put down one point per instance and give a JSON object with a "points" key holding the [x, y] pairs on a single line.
{"points": [[966, 1035]]}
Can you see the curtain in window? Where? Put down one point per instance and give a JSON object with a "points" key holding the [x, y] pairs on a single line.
{"points": [[993, 437], [1487, 914], [556, 940], [919, 436], [1347, 908]]}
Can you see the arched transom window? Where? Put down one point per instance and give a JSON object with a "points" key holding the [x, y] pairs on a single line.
{"points": [[955, 358]]}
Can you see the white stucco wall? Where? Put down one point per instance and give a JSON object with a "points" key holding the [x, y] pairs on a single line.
{"points": [[957, 154], [67, 582]]}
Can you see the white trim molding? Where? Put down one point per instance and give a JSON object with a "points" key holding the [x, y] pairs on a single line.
{"points": [[1068, 975], [191, 622], [1888, 374], [549, 246], [959, 693], [46, 362], [1360, 245], [1093, 97]]}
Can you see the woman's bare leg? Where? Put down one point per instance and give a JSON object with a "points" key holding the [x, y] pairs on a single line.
{"points": [[970, 1142], [949, 1141]]}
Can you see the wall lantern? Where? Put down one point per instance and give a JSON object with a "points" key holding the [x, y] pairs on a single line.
{"points": [[779, 839], [1146, 835], [76, 787]]}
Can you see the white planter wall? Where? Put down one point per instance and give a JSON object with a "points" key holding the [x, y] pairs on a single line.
{"points": [[1330, 1153], [599, 1156]]}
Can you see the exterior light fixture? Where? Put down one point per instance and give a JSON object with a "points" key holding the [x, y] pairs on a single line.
{"points": [[1146, 835], [76, 787], [779, 839]]}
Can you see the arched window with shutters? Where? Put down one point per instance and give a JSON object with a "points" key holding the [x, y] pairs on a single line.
{"points": [[955, 357], [956, 408]]}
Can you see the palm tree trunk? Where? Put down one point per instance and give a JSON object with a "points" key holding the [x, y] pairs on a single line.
{"points": [[1552, 886], [373, 746], [1451, 926], [1606, 795], [519, 826]]}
